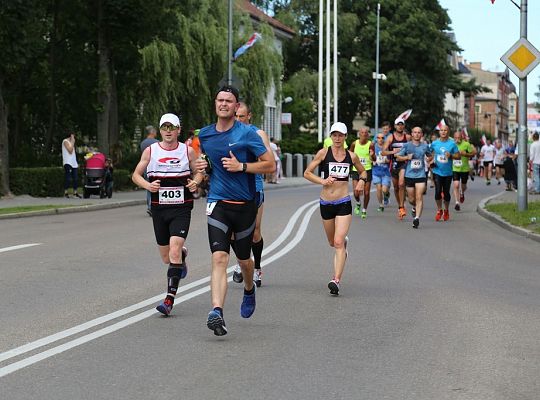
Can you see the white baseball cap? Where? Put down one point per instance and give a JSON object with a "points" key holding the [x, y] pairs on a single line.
{"points": [[339, 127], [170, 118], [399, 120]]}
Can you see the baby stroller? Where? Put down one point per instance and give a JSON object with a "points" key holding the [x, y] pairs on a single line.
{"points": [[97, 177]]}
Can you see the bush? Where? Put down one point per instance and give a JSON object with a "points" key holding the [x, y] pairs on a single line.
{"points": [[49, 181]]}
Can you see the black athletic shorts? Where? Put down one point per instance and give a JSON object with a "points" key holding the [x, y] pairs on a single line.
{"points": [[355, 176], [460, 176], [331, 209], [171, 222], [396, 168], [226, 218], [486, 163], [411, 182]]}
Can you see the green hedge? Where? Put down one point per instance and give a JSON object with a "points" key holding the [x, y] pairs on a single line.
{"points": [[49, 181]]}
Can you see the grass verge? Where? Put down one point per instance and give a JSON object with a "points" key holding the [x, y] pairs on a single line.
{"points": [[22, 209], [529, 219]]}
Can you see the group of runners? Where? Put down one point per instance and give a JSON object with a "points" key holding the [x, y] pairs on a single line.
{"points": [[235, 154], [394, 158]]}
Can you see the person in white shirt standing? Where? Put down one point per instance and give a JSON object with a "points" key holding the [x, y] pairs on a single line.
{"points": [[534, 161], [69, 161], [487, 153]]}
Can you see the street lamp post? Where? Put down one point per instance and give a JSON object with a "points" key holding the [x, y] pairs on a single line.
{"points": [[377, 72]]}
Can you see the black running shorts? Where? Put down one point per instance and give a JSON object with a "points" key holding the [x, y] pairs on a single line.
{"points": [[331, 209], [411, 182], [226, 218], [170, 222], [460, 176]]}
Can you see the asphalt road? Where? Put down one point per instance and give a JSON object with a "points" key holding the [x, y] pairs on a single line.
{"points": [[449, 311]]}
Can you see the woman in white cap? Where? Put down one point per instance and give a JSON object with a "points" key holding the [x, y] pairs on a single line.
{"points": [[335, 202]]}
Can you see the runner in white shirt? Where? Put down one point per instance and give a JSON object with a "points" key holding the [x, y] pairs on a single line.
{"points": [[487, 153], [500, 155]]}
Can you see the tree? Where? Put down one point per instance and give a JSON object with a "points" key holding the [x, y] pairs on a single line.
{"points": [[414, 47], [20, 41]]}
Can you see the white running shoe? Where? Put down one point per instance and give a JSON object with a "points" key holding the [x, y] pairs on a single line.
{"points": [[237, 274]]}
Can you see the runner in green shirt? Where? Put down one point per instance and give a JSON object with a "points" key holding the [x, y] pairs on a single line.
{"points": [[460, 168]]}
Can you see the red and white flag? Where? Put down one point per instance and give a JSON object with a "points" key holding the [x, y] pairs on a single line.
{"points": [[483, 140], [403, 116], [440, 125], [465, 133]]}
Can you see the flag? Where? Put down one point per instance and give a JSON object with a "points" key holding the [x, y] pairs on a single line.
{"points": [[440, 125], [403, 116], [465, 133], [483, 140], [252, 40]]}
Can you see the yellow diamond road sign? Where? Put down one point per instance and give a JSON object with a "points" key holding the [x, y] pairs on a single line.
{"points": [[521, 58]]}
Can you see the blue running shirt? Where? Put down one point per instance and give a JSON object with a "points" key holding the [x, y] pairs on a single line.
{"points": [[246, 145], [415, 167], [443, 165]]}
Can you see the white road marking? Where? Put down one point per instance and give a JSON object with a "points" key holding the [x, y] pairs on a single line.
{"points": [[20, 246], [139, 317]]}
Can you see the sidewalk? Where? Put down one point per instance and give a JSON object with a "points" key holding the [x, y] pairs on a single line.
{"points": [[119, 199], [506, 197]]}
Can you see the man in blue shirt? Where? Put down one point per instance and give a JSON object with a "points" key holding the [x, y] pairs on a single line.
{"points": [[414, 153], [235, 153], [444, 151]]}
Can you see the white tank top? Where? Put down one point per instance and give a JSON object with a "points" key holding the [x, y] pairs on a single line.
{"points": [[171, 167], [70, 159]]}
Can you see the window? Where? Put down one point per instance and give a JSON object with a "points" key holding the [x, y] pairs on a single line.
{"points": [[512, 109]]}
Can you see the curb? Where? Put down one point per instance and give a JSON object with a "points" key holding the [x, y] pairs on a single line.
{"points": [[127, 203], [76, 209], [481, 209]]}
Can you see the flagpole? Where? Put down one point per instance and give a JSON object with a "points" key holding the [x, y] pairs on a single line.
{"points": [[320, 92], [328, 69], [336, 116], [229, 53], [377, 73]]}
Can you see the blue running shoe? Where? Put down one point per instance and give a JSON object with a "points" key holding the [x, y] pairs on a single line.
{"points": [[184, 271], [248, 305], [216, 323], [165, 307]]}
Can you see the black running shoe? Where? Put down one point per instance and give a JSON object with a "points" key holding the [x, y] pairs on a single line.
{"points": [[333, 285], [237, 275], [216, 323], [457, 207], [415, 223]]}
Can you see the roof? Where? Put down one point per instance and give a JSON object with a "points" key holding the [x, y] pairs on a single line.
{"points": [[260, 16]]}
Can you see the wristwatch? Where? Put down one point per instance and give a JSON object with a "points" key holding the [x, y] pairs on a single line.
{"points": [[244, 167]]}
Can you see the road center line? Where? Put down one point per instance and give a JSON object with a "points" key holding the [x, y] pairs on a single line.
{"points": [[145, 314], [145, 303], [20, 246]]}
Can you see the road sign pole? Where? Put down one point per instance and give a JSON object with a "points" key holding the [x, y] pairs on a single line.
{"points": [[522, 130]]}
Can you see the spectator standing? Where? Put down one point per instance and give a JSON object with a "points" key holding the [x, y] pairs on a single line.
{"points": [[69, 160], [275, 151], [534, 161]]}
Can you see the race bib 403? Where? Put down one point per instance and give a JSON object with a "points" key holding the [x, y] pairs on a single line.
{"points": [[171, 195]]}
